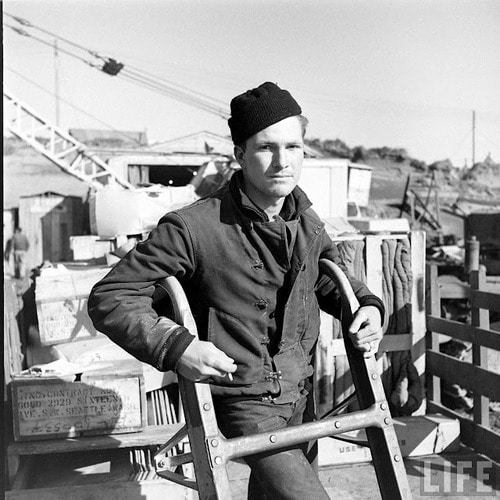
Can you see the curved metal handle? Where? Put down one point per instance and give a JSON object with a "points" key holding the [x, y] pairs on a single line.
{"points": [[350, 303], [334, 272], [180, 304]]}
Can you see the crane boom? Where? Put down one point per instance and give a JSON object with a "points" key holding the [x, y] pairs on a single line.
{"points": [[72, 156]]}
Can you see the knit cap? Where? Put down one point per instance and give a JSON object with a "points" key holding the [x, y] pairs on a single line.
{"points": [[257, 109]]}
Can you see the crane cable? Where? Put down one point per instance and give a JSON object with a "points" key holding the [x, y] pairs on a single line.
{"points": [[119, 132], [131, 74], [26, 23], [22, 32], [140, 80]]}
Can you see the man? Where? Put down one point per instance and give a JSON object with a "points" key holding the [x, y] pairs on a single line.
{"points": [[19, 246], [247, 257]]}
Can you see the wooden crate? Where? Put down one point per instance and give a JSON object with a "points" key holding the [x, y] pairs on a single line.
{"points": [[108, 400], [417, 436], [90, 246], [61, 305], [333, 379]]}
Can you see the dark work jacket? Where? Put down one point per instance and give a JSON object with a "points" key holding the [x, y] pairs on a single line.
{"points": [[215, 249]]}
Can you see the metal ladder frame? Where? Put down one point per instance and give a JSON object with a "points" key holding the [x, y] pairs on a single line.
{"points": [[211, 451], [61, 148]]}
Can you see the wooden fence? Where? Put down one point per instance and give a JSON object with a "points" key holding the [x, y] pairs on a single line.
{"points": [[475, 376]]}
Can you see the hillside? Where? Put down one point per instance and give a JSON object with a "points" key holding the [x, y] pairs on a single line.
{"points": [[391, 167], [27, 172]]}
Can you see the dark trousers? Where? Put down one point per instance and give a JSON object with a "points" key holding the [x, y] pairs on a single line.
{"points": [[289, 473]]}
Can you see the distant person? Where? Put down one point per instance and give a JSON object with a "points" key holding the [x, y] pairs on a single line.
{"points": [[19, 247], [248, 259]]}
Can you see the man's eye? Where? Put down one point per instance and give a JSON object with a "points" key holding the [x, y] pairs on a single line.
{"points": [[295, 146]]}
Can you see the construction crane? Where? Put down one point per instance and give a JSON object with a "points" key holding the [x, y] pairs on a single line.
{"points": [[114, 68], [64, 150], [58, 146]]}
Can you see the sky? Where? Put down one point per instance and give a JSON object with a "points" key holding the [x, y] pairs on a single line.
{"points": [[375, 73]]}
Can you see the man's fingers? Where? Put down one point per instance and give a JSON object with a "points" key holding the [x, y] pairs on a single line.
{"points": [[202, 360], [365, 333], [358, 320], [219, 360], [214, 372], [224, 365], [368, 342], [365, 330]]}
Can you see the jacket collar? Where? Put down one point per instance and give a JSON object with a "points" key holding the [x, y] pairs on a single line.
{"points": [[295, 204]]}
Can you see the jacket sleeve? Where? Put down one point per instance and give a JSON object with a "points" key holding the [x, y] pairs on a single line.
{"points": [[328, 294], [121, 304]]}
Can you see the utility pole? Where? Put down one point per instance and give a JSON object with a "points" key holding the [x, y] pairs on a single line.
{"points": [[473, 138], [56, 81]]}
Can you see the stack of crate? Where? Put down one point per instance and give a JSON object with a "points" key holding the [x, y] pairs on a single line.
{"points": [[79, 392]]}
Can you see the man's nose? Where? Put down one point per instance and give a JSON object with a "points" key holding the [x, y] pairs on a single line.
{"points": [[280, 158]]}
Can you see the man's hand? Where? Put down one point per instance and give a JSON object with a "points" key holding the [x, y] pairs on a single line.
{"points": [[202, 360], [366, 329]]}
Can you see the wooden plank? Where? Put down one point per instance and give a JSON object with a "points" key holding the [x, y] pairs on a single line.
{"points": [[69, 283], [389, 343], [357, 236], [479, 318], [472, 377], [13, 355], [418, 307], [464, 332], [153, 434], [487, 441], [486, 300], [433, 305], [487, 338], [487, 383], [370, 225], [454, 290], [451, 369], [373, 253], [454, 329]]}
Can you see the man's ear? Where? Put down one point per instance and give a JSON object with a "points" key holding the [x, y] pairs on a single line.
{"points": [[239, 154]]}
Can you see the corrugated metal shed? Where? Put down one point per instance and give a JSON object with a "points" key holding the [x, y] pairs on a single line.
{"points": [[122, 138], [209, 143]]}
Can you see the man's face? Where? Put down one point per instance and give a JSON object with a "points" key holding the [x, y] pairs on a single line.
{"points": [[272, 161]]}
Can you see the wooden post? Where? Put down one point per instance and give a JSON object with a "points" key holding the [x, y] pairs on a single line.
{"points": [[405, 196], [373, 253], [438, 206], [480, 319], [433, 303], [418, 308], [472, 252]]}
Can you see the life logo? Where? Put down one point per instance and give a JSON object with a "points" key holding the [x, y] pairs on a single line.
{"points": [[461, 478]]}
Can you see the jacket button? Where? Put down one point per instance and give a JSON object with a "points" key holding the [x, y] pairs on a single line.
{"points": [[261, 304]]}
